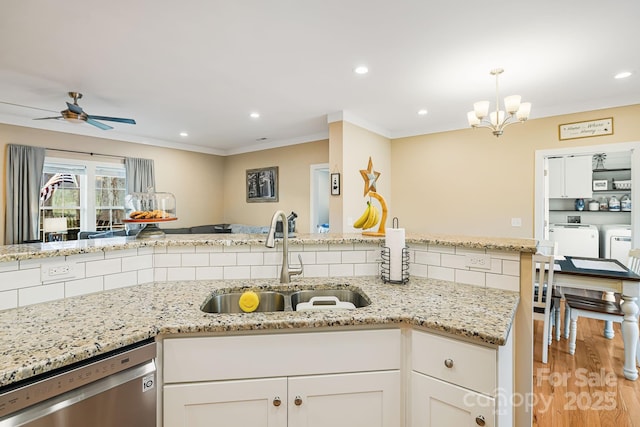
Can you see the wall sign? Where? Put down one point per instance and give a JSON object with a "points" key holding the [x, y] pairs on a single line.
{"points": [[586, 129]]}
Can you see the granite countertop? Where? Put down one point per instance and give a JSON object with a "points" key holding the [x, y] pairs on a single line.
{"points": [[39, 338], [73, 247]]}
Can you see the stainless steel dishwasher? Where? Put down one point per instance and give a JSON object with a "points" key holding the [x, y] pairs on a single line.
{"points": [[116, 389]]}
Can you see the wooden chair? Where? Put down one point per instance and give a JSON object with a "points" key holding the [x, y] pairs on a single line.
{"points": [[597, 308], [542, 279], [549, 247]]}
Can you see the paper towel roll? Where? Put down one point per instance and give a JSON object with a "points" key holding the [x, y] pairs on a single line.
{"points": [[395, 241]]}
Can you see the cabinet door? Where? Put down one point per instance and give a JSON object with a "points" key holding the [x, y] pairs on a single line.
{"points": [[369, 399], [227, 403], [436, 403], [578, 175], [556, 177]]}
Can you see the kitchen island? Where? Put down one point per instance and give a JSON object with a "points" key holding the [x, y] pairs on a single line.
{"points": [[38, 338]]}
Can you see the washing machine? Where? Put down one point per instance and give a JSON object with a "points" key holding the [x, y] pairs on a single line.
{"points": [[615, 242]]}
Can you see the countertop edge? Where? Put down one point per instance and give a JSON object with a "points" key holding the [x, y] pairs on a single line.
{"points": [[27, 251]]}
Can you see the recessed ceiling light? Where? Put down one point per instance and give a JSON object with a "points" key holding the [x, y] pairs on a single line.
{"points": [[184, 134], [422, 112], [622, 75], [361, 69], [254, 115]]}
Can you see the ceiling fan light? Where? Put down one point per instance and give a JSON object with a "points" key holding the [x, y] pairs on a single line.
{"points": [[524, 111], [512, 103], [473, 119], [481, 108]]}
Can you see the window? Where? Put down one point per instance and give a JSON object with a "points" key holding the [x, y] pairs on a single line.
{"points": [[89, 195]]}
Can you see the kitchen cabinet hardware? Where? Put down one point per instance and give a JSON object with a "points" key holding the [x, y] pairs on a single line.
{"points": [[277, 401], [480, 420], [448, 363], [298, 401]]}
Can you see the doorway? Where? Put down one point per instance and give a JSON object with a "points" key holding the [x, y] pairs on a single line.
{"points": [[319, 200], [542, 203]]}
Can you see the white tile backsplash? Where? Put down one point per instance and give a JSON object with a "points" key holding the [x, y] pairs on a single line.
{"points": [[104, 267], [234, 272], [40, 293], [89, 285], [20, 282]]}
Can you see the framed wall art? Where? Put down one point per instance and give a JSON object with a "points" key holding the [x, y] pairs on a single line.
{"points": [[335, 184], [262, 185]]}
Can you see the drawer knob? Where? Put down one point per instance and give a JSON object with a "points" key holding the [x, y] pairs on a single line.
{"points": [[480, 420], [298, 401], [448, 363], [277, 401]]}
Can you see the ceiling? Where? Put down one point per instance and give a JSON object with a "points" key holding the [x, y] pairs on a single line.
{"points": [[202, 66]]}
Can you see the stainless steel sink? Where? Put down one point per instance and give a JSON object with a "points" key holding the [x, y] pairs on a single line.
{"points": [[343, 295], [227, 301]]}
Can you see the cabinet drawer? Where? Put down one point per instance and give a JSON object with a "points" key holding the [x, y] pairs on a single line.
{"points": [[271, 355], [468, 365]]}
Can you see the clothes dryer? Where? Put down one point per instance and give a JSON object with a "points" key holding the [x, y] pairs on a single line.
{"points": [[615, 242]]}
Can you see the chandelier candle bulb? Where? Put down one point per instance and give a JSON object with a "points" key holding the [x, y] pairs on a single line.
{"points": [[512, 103], [523, 112]]}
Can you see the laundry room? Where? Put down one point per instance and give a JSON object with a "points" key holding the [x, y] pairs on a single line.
{"points": [[589, 200]]}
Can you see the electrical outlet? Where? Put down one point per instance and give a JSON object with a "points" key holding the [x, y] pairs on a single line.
{"points": [[478, 261], [58, 272], [516, 222]]}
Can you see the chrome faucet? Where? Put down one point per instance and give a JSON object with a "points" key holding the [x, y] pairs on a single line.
{"points": [[286, 272]]}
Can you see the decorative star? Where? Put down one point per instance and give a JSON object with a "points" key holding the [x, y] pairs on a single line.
{"points": [[370, 177]]}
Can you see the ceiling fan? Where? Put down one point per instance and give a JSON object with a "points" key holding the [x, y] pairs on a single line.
{"points": [[74, 113]]}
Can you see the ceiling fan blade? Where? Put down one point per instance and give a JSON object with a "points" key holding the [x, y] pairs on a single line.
{"points": [[113, 119], [98, 124], [47, 118], [75, 108]]}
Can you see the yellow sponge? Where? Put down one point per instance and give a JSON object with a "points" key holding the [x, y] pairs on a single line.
{"points": [[249, 301]]}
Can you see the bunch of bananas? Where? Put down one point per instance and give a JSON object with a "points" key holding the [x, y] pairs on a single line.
{"points": [[369, 218]]}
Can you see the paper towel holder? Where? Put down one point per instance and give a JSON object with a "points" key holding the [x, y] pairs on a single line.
{"points": [[385, 266]]}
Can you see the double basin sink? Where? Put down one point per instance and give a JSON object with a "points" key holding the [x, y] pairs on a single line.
{"points": [[227, 300]]}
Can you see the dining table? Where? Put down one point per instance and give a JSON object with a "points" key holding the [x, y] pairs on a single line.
{"points": [[608, 276]]}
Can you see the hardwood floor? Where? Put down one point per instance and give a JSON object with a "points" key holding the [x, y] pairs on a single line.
{"points": [[587, 389]]}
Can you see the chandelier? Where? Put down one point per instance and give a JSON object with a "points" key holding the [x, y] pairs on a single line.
{"points": [[498, 120]]}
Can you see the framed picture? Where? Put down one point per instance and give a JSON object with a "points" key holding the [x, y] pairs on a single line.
{"points": [[335, 184], [262, 185], [599, 184]]}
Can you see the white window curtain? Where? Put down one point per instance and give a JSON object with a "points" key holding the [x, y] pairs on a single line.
{"points": [[23, 182], [140, 178], [140, 174]]}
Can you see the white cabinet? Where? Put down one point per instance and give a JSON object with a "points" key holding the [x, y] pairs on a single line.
{"points": [[437, 403], [342, 400], [259, 403], [570, 177], [349, 378], [459, 383]]}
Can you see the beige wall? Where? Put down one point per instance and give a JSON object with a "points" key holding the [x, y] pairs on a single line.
{"points": [[294, 183], [470, 182], [195, 179], [358, 145]]}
